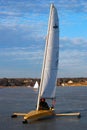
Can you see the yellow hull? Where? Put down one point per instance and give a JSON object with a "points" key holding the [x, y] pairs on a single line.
{"points": [[40, 114]]}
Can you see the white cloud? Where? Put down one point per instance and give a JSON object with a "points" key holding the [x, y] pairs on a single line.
{"points": [[24, 27], [73, 42], [72, 57], [21, 53], [73, 5]]}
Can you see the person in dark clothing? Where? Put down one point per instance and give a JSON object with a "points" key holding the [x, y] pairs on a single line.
{"points": [[43, 104]]}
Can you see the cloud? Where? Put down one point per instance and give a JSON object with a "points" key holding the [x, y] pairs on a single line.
{"points": [[21, 61], [76, 43], [33, 53], [72, 61], [69, 51], [23, 35], [31, 14], [72, 57], [76, 6], [23, 27], [20, 9]]}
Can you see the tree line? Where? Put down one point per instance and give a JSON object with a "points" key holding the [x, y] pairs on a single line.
{"points": [[31, 81]]}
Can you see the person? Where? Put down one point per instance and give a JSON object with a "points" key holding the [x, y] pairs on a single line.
{"points": [[43, 104]]}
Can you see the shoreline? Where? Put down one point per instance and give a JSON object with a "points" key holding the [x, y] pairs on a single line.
{"points": [[17, 82], [75, 84], [66, 85]]}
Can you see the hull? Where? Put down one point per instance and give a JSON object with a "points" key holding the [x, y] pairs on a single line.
{"points": [[39, 114]]}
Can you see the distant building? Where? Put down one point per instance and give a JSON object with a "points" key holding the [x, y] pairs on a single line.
{"points": [[62, 84], [70, 82]]}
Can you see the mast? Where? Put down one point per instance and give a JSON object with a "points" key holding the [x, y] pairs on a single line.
{"points": [[39, 95], [48, 66]]}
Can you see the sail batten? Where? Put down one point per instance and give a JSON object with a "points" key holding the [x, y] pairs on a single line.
{"points": [[50, 62]]}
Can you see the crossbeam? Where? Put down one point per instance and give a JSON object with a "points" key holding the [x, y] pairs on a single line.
{"points": [[18, 114], [69, 114]]}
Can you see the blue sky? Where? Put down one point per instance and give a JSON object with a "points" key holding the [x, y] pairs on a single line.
{"points": [[23, 29]]}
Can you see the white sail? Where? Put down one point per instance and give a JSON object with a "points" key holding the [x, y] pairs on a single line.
{"points": [[36, 85], [50, 63]]}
